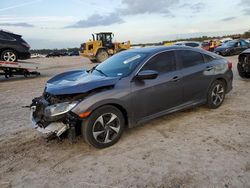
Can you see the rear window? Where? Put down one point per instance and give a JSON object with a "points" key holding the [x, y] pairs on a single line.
{"points": [[190, 58], [4, 36]]}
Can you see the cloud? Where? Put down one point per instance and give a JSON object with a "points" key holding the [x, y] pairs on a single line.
{"points": [[98, 20], [228, 19], [133, 7], [138, 7], [196, 8], [245, 2], [19, 5], [246, 5], [247, 11], [21, 24]]}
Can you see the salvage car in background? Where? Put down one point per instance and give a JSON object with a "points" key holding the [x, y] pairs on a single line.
{"points": [[244, 64], [13, 47], [233, 47], [74, 53], [128, 89], [54, 54]]}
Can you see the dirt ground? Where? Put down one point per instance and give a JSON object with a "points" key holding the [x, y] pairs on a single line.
{"points": [[195, 148]]}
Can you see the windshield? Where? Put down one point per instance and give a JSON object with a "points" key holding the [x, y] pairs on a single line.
{"points": [[120, 65]]}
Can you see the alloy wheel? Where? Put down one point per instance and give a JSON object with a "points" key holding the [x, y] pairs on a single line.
{"points": [[106, 128], [9, 56], [218, 94]]}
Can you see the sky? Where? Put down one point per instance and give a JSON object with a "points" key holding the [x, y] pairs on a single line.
{"points": [[65, 24]]}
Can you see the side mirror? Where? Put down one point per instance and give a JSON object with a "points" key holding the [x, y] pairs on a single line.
{"points": [[146, 75]]}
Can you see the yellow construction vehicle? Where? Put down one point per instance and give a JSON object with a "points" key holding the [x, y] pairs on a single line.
{"points": [[101, 47]]}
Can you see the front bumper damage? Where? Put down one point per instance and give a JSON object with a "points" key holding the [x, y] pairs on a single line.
{"points": [[51, 125], [56, 128]]}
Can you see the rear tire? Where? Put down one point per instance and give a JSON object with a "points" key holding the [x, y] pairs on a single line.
{"points": [[216, 94], [9, 55], [104, 127], [102, 55]]}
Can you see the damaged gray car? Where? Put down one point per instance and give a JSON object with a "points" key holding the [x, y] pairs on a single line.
{"points": [[128, 89]]}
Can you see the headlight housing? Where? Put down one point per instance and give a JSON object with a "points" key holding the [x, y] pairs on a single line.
{"points": [[60, 108]]}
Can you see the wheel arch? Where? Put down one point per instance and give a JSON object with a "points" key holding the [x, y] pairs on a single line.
{"points": [[101, 48], [222, 80], [3, 49], [120, 107]]}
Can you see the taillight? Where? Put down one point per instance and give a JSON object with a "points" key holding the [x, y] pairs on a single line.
{"points": [[230, 65]]}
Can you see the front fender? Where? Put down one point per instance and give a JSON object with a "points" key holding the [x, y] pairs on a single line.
{"points": [[108, 97]]}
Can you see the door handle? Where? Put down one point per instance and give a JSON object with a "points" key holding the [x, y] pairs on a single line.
{"points": [[175, 79], [209, 68]]}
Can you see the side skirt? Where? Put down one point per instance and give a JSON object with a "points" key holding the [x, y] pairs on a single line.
{"points": [[171, 110]]}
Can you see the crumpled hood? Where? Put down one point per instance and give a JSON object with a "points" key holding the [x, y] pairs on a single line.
{"points": [[78, 81]]}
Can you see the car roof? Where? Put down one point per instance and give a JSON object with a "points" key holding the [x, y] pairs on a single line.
{"points": [[181, 42], [246, 51], [10, 33], [157, 49]]}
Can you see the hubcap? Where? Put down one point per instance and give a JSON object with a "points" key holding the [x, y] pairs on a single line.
{"points": [[9, 56], [217, 94], [106, 128]]}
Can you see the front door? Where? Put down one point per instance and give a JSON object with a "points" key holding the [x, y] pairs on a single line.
{"points": [[150, 97]]}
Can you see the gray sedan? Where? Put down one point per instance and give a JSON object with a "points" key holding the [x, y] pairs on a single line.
{"points": [[128, 89]]}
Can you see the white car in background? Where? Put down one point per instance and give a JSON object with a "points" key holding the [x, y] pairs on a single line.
{"points": [[36, 55], [225, 40], [248, 40]]}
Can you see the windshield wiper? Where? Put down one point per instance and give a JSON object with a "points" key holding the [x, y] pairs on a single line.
{"points": [[100, 71]]}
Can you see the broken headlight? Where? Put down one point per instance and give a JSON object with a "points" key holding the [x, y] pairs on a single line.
{"points": [[60, 108]]}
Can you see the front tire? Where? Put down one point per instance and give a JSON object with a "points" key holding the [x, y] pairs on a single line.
{"points": [[9, 55], [102, 55], [216, 94], [104, 127]]}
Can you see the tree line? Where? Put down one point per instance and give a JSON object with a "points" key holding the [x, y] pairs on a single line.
{"points": [[245, 35]]}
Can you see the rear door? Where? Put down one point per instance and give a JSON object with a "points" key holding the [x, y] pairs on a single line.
{"points": [[160, 94], [197, 75]]}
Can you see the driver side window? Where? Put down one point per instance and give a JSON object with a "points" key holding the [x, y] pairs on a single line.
{"points": [[162, 63]]}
